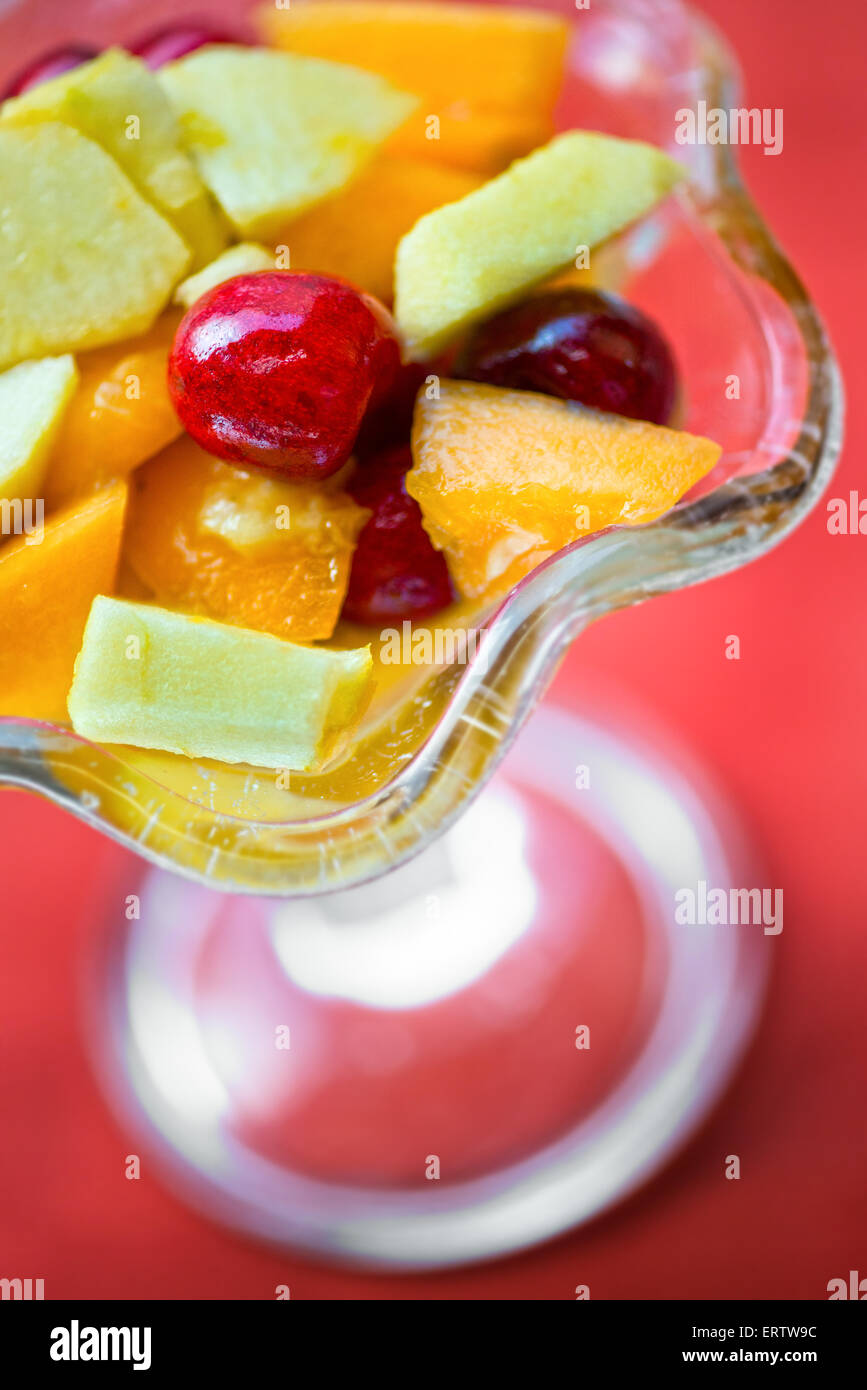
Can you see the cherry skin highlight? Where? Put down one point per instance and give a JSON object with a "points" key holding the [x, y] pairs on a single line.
{"points": [[396, 573], [176, 41], [49, 65], [275, 370], [581, 345]]}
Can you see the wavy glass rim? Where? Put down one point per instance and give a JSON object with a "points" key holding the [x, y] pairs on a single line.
{"points": [[484, 703]]}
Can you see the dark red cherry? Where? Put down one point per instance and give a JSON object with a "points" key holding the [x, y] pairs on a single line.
{"points": [[276, 369], [49, 65], [581, 345], [176, 41], [388, 419], [396, 573]]}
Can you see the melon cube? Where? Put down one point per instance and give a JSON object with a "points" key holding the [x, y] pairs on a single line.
{"points": [[48, 582], [161, 679], [502, 58], [355, 233], [506, 478], [119, 416]]}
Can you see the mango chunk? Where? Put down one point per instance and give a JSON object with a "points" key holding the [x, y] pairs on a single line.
{"points": [[240, 547], [355, 233], [506, 478], [463, 261], [120, 415], [159, 679], [465, 137], [273, 133], [497, 57], [33, 398], [117, 101], [46, 589], [246, 257], [84, 260]]}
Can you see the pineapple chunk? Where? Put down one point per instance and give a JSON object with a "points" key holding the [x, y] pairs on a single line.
{"points": [[461, 262], [84, 260], [273, 133], [158, 679], [118, 102], [247, 256], [33, 399]]}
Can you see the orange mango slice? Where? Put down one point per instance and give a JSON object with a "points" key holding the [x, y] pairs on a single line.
{"points": [[240, 547], [46, 590], [355, 233], [506, 478], [120, 415], [497, 58], [465, 137]]}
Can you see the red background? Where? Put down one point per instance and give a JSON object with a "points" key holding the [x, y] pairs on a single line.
{"points": [[781, 728]]}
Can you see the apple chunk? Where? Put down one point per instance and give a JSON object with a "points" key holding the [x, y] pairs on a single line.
{"points": [[273, 133], [242, 259], [117, 101], [161, 679], [461, 262], [33, 399], [84, 260]]}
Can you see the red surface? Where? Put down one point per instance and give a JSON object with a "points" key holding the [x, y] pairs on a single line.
{"points": [[783, 730]]}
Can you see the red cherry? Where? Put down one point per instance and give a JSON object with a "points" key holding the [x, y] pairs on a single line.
{"points": [[581, 345], [396, 573], [52, 64], [176, 41], [276, 369]]}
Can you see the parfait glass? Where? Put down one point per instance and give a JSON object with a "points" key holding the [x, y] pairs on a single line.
{"points": [[366, 1014]]}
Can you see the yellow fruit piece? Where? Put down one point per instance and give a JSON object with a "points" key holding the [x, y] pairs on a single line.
{"points": [[496, 57], [247, 256], [46, 589], [355, 233], [159, 679], [120, 415], [234, 545], [84, 260], [273, 133], [461, 262], [33, 398], [465, 137], [117, 101], [505, 478]]}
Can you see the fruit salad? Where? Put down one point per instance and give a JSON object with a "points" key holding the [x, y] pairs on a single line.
{"points": [[302, 344]]}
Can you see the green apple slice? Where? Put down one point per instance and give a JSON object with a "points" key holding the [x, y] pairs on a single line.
{"points": [[84, 260], [33, 397], [242, 259], [464, 260], [117, 101], [273, 133], [160, 679]]}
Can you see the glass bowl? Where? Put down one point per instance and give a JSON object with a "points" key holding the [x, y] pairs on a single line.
{"points": [[710, 272], [437, 1011]]}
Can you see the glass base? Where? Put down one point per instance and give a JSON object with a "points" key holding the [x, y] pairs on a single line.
{"points": [[488, 1046]]}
